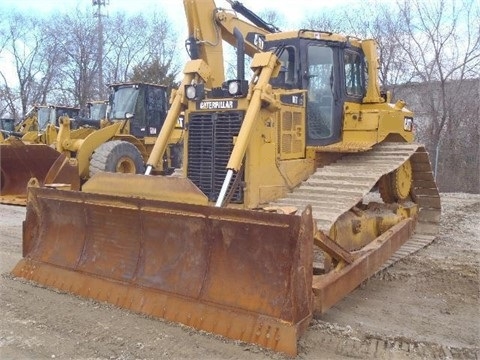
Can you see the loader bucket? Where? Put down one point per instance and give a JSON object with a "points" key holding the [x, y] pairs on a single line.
{"points": [[19, 163], [246, 275]]}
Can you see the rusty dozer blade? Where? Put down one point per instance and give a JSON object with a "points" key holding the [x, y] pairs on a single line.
{"points": [[19, 163], [163, 188], [246, 275], [63, 174]]}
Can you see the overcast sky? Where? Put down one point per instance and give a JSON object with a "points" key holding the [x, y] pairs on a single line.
{"points": [[292, 10]]}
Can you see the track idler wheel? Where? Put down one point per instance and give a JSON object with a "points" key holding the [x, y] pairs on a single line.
{"points": [[396, 185]]}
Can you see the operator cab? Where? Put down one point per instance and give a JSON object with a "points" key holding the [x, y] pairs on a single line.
{"points": [[7, 124], [332, 72], [51, 114], [97, 110], [145, 105]]}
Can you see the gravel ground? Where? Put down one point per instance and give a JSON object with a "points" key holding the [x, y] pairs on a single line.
{"points": [[425, 306]]}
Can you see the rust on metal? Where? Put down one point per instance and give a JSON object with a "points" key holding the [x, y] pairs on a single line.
{"points": [[163, 188], [333, 286], [246, 275], [332, 248], [18, 164], [63, 173]]}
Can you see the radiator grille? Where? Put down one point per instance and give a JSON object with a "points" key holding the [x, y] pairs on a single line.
{"points": [[210, 145]]}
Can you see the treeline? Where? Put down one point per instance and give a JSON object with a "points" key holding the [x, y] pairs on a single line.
{"points": [[429, 55], [69, 58]]}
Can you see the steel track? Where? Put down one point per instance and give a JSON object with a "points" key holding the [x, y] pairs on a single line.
{"points": [[334, 189]]}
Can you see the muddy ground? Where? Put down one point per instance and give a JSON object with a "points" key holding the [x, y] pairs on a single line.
{"points": [[426, 306]]}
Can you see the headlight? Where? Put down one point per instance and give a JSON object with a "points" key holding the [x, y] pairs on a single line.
{"points": [[408, 124], [190, 92], [195, 91], [236, 88], [233, 88]]}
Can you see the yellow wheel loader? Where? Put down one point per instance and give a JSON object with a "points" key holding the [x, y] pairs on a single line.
{"points": [[98, 110], [123, 141], [28, 151], [7, 125], [76, 148], [296, 186], [39, 124]]}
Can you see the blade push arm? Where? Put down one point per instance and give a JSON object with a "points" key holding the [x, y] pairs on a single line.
{"points": [[265, 65]]}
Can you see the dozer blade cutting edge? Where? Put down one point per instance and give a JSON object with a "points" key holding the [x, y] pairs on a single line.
{"points": [[242, 274], [18, 164]]}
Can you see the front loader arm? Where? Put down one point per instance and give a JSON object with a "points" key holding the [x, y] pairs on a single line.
{"points": [[84, 148]]}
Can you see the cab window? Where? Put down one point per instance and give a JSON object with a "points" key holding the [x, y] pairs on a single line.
{"points": [[320, 88], [354, 74], [287, 78]]}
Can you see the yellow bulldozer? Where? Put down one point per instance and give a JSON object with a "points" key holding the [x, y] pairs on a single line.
{"points": [[82, 147], [296, 186]]}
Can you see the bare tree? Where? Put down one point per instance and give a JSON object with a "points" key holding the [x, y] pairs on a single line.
{"points": [[35, 61], [274, 18], [7, 100], [441, 40], [75, 37], [141, 49], [24, 47], [125, 45]]}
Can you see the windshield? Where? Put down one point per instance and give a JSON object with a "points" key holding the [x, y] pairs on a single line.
{"points": [[98, 111], [45, 116], [7, 124], [124, 102]]}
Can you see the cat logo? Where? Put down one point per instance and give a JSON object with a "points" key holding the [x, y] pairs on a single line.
{"points": [[217, 105]]}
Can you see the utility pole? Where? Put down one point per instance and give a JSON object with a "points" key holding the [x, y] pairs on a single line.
{"points": [[99, 13]]}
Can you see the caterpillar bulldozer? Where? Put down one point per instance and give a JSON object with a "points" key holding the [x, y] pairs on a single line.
{"points": [[296, 186], [82, 147]]}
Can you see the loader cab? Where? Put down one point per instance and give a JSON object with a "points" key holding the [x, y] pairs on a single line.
{"points": [[7, 124], [144, 105], [97, 110], [332, 72], [45, 116], [50, 114]]}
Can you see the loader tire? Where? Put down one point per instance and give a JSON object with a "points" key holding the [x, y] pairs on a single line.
{"points": [[117, 156]]}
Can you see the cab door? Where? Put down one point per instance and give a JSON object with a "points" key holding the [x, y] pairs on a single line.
{"points": [[324, 102]]}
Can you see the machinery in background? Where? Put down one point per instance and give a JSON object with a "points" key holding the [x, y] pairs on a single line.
{"points": [[39, 125], [82, 147]]}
